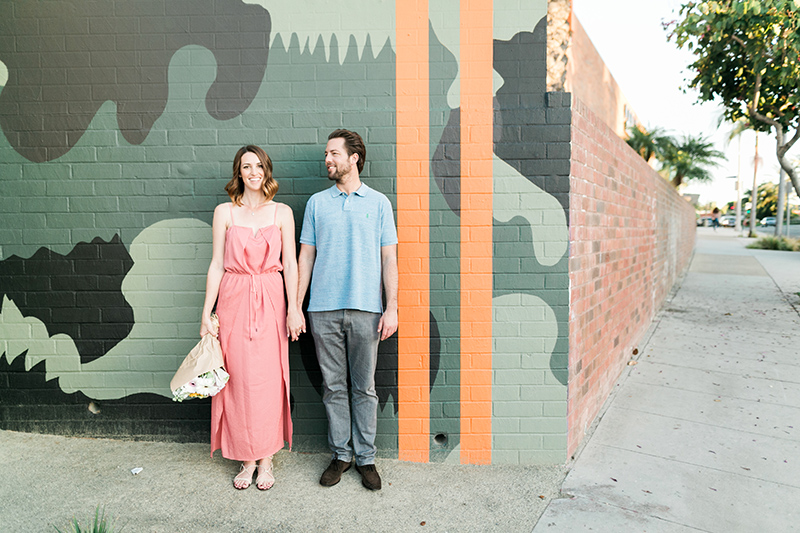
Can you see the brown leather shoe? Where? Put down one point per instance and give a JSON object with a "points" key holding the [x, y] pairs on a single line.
{"points": [[369, 477], [333, 473]]}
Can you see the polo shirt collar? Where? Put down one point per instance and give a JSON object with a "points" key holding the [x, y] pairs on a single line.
{"points": [[361, 191]]}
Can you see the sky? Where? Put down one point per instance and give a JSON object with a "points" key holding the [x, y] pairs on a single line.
{"points": [[653, 73]]}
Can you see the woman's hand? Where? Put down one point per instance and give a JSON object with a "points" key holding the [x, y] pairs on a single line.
{"points": [[295, 324], [208, 326]]}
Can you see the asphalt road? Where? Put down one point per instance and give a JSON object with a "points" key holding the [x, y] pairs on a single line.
{"points": [[794, 230]]}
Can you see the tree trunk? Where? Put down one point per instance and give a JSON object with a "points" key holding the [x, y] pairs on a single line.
{"points": [[782, 147], [780, 207], [754, 194], [738, 226]]}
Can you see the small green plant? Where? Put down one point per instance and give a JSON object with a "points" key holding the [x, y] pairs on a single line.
{"points": [[99, 525], [776, 243]]}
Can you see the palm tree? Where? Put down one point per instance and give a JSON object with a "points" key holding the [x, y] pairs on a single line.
{"points": [[647, 144], [690, 159]]}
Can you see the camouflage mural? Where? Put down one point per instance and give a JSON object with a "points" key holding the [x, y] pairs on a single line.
{"points": [[119, 123]]}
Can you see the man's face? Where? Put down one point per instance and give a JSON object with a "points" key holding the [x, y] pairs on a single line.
{"points": [[338, 163]]}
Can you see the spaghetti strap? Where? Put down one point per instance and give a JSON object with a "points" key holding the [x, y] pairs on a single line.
{"points": [[275, 214], [230, 206]]}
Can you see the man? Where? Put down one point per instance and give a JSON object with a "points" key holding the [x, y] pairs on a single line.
{"points": [[349, 242]]}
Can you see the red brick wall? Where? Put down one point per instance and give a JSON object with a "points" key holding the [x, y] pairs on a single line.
{"points": [[631, 237]]}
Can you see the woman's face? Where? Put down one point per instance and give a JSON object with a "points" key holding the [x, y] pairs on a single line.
{"points": [[252, 171]]}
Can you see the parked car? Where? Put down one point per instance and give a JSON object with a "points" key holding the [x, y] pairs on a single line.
{"points": [[767, 221], [704, 221], [727, 221]]}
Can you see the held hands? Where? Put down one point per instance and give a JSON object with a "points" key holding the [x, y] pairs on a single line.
{"points": [[207, 326], [295, 324], [388, 323]]}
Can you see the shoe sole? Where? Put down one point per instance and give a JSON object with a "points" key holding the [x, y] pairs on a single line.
{"points": [[364, 483]]}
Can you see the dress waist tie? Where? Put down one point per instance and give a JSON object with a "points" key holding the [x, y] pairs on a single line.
{"points": [[256, 300], [254, 296]]}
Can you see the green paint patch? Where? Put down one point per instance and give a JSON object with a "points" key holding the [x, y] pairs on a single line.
{"points": [[514, 195], [180, 169], [525, 331]]}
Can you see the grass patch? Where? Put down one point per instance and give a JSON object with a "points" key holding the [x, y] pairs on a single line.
{"points": [[783, 244], [100, 524]]}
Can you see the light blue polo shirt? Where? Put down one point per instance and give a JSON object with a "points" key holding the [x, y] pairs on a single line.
{"points": [[348, 233]]}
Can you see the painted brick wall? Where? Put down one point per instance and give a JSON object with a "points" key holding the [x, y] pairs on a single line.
{"points": [[631, 238], [531, 285], [117, 134]]}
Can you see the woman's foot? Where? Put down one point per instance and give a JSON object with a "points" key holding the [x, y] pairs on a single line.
{"points": [[245, 476], [265, 479]]}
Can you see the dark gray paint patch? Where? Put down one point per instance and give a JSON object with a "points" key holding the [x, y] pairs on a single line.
{"points": [[531, 120], [78, 294], [66, 58]]}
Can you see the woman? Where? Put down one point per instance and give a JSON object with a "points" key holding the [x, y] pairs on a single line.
{"points": [[253, 241]]}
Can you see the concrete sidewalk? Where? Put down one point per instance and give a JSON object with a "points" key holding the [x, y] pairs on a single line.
{"points": [[48, 479], [702, 434]]}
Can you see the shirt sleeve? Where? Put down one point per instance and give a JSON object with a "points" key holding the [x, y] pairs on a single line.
{"points": [[388, 229], [308, 233]]}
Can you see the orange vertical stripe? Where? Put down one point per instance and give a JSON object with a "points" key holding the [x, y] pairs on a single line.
{"points": [[413, 185], [476, 51]]}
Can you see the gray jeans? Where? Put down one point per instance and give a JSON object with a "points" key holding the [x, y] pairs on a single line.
{"points": [[345, 339]]}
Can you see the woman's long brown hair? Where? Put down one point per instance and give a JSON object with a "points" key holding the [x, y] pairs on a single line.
{"points": [[235, 187]]}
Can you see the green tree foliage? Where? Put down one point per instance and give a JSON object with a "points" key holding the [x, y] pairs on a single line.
{"points": [[689, 159], [685, 159], [647, 143], [767, 204], [748, 59]]}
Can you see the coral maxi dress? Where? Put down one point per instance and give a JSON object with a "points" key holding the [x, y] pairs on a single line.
{"points": [[250, 417]]}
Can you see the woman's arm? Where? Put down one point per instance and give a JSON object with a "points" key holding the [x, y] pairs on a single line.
{"points": [[216, 269], [294, 318], [305, 264]]}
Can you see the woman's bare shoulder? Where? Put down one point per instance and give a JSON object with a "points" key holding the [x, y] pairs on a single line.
{"points": [[223, 212], [284, 215], [283, 209]]}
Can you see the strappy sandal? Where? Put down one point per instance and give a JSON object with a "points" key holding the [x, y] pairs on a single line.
{"points": [[265, 479], [245, 475]]}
